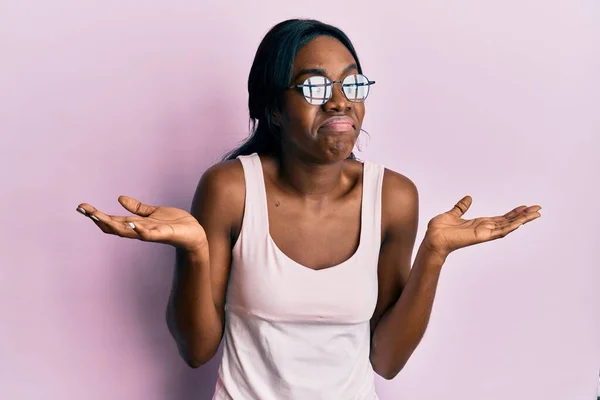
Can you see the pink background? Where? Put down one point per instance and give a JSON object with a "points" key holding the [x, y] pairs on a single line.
{"points": [[497, 99]]}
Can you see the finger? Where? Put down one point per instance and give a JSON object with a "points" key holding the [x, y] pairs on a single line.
{"points": [[90, 212], [93, 213], [505, 227], [136, 207], [528, 217], [462, 206], [150, 232], [524, 212], [81, 210], [514, 212], [535, 208], [85, 209], [115, 225], [522, 218]]}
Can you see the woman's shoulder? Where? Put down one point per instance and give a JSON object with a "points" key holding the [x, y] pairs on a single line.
{"points": [[400, 199], [222, 186], [395, 182], [225, 173]]}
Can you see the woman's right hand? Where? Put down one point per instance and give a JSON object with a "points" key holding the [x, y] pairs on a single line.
{"points": [[159, 224]]}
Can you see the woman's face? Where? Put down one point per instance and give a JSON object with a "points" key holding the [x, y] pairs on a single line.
{"points": [[307, 129]]}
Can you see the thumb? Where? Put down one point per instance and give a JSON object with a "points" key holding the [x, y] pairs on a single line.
{"points": [[462, 206], [136, 207]]}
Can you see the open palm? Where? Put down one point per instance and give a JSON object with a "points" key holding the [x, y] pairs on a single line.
{"points": [[168, 225], [449, 231]]}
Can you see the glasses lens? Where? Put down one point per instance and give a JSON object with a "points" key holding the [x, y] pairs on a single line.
{"points": [[356, 87], [317, 89]]}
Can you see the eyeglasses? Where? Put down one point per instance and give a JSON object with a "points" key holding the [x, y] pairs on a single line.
{"points": [[317, 90]]}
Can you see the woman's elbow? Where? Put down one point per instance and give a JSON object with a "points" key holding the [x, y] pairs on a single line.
{"points": [[193, 363], [196, 356], [195, 360], [386, 370], [387, 374]]}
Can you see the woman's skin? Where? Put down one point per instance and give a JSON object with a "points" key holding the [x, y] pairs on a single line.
{"points": [[314, 199]]}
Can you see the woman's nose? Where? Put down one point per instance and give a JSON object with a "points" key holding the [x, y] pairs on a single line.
{"points": [[337, 101]]}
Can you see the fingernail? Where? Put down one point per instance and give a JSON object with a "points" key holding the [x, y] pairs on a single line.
{"points": [[81, 211], [132, 225], [94, 218]]}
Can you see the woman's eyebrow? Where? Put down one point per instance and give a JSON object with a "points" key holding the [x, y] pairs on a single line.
{"points": [[321, 71], [350, 68], [309, 71]]}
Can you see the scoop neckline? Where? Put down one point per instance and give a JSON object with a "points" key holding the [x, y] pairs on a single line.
{"points": [[277, 249]]}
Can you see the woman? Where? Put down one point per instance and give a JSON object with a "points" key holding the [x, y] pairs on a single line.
{"points": [[294, 251]]}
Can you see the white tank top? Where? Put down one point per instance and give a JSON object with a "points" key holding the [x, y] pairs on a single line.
{"points": [[292, 332]]}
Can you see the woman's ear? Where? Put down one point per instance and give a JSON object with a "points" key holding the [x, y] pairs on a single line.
{"points": [[275, 118]]}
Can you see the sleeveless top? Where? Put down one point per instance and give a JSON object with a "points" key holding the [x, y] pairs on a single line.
{"points": [[292, 332]]}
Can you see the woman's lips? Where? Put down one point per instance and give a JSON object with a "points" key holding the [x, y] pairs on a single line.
{"points": [[338, 124]]}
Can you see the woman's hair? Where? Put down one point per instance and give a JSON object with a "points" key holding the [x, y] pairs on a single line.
{"points": [[270, 76]]}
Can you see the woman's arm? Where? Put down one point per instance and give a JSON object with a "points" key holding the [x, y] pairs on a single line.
{"points": [[196, 308], [193, 318], [406, 295], [403, 325]]}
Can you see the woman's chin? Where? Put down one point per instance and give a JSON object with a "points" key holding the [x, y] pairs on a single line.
{"points": [[339, 150]]}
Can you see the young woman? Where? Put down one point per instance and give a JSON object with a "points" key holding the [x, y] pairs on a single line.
{"points": [[295, 252]]}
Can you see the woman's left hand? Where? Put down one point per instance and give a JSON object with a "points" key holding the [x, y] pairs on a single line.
{"points": [[449, 231]]}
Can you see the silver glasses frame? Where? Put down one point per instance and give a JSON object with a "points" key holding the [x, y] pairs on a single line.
{"points": [[329, 82]]}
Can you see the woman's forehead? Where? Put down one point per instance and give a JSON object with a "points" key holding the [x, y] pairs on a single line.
{"points": [[323, 52]]}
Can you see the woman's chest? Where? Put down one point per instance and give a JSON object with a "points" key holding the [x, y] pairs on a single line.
{"points": [[266, 282], [316, 239]]}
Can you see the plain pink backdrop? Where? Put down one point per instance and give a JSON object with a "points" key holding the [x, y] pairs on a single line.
{"points": [[499, 100]]}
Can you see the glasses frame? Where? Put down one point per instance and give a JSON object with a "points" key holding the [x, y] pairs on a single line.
{"points": [[328, 82]]}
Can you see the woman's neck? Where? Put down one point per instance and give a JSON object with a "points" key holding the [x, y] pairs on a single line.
{"points": [[311, 180]]}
